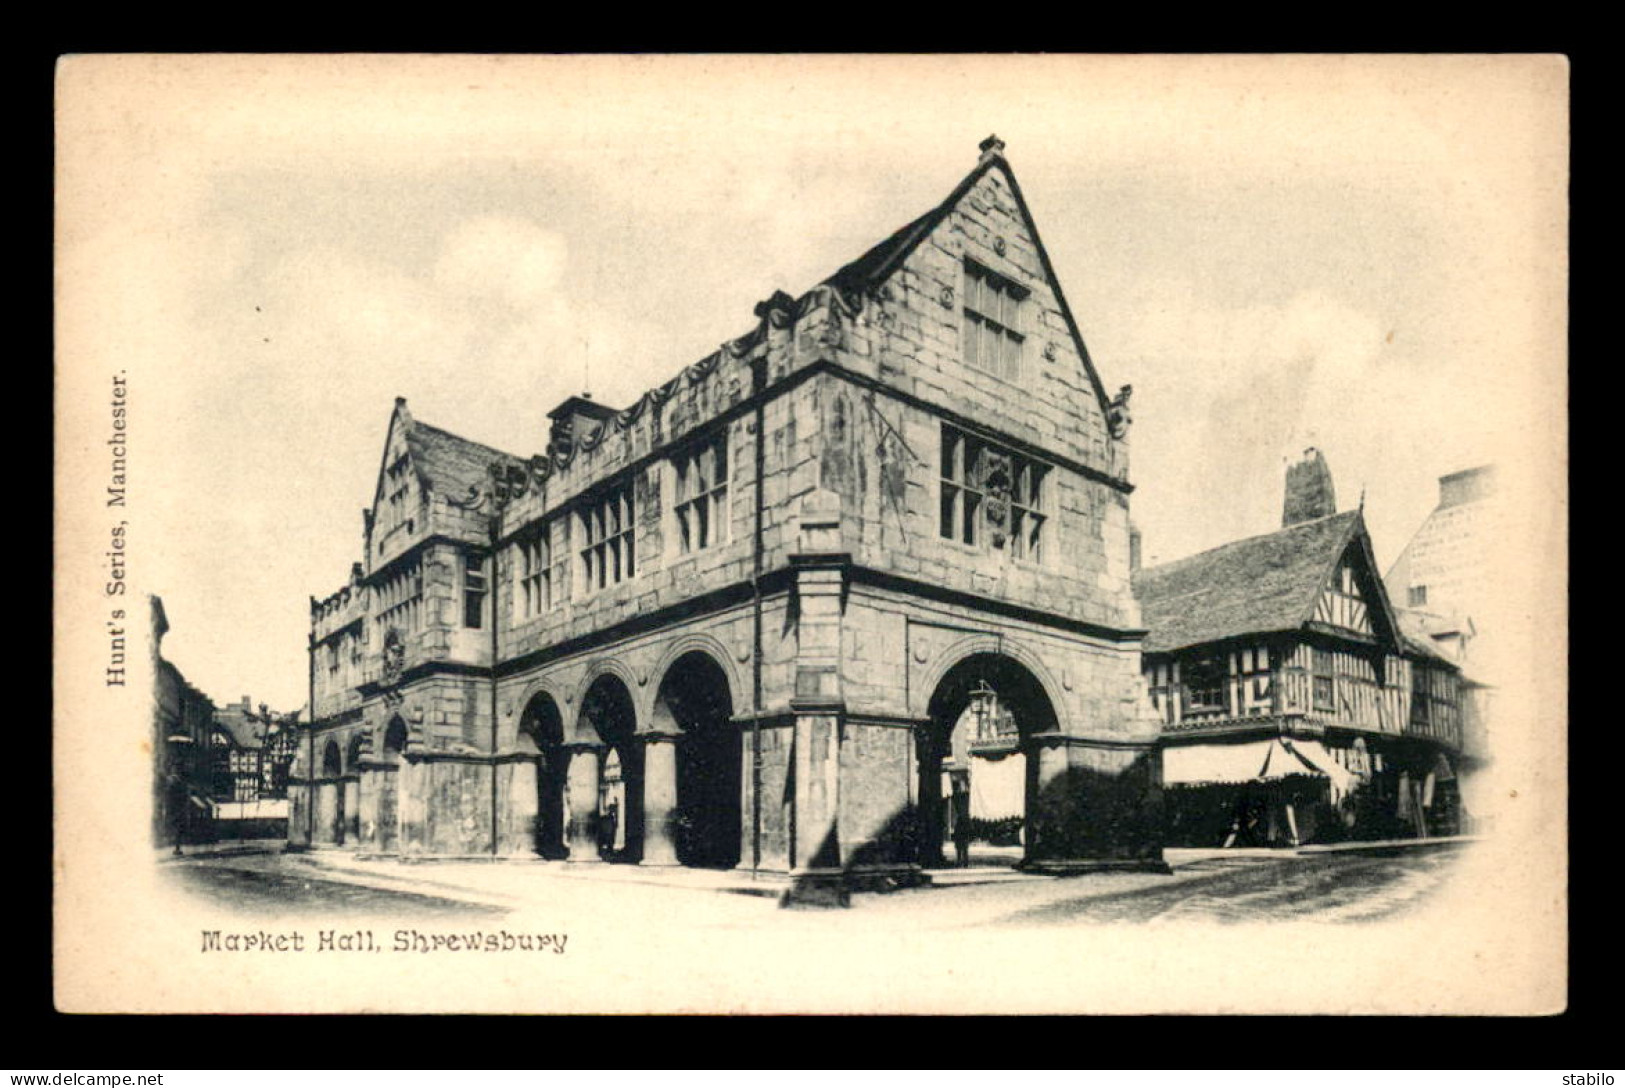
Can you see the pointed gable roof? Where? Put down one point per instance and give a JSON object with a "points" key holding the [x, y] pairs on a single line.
{"points": [[445, 462], [1254, 586], [451, 463], [878, 263]]}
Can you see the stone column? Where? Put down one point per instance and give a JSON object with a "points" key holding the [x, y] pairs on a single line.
{"points": [[387, 799], [367, 809], [300, 797], [352, 810], [327, 806], [1048, 801], [660, 797], [817, 846], [1094, 806], [413, 782], [521, 838], [581, 797]]}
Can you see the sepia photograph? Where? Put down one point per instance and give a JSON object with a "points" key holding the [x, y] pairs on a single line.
{"points": [[986, 534]]}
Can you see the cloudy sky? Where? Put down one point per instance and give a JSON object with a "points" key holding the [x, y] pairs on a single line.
{"points": [[1354, 254]]}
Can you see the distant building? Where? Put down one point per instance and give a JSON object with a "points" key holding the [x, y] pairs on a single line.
{"points": [[1445, 569], [251, 754], [1295, 706], [741, 621], [1444, 583], [182, 724]]}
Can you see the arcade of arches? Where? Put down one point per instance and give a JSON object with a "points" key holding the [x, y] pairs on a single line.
{"points": [[674, 786]]}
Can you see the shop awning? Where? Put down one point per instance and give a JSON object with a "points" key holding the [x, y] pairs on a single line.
{"points": [[1316, 755], [1250, 761]]}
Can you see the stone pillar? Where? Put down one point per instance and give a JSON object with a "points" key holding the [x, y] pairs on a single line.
{"points": [[412, 785], [352, 810], [817, 700], [521, 838], [1093, 806], [1047, 798], [386, 798], [817, 773], [930, 807], [367, 809], [581, 799], [327, 807], [659, 797], [299, 802]]}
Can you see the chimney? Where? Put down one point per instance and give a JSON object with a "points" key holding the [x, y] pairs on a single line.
{"points": [[1309, 493], [1469, 485], [1133, 548]]}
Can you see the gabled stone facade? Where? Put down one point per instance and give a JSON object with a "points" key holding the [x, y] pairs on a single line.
{"points": [[738, 622]]}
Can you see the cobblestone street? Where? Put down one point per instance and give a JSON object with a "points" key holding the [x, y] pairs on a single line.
{"points": [[1250, 886]]}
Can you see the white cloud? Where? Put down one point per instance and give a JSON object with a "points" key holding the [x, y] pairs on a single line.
{"points": [[503, 257]]}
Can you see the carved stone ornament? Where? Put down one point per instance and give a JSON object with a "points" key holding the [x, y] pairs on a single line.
{"points": [[996, 485], [1120, 417], [946, 297], [394, 655], [999, 245]]}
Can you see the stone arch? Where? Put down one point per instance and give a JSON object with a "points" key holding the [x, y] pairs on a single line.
{"points": [[595, 672], [699, 795], [548, 686], [330, 795], [606, 727], [332, 761], [386, 784], [702, 642], [948, 658], [396, 735], [355, 751], [539, 792], [976, 750]]}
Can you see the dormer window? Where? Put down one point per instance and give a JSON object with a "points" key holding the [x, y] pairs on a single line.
{"points": [[993, 322]]}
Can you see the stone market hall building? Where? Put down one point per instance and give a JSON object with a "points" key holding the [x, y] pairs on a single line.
{"points": [[740, 622]]}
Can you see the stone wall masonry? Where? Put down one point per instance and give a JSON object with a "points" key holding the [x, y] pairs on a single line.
{"points": [[725, 636], [663, 576], [916, 337], [896, 648], [883, 457]]}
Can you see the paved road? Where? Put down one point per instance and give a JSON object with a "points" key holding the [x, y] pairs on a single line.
{"points": [[1323, 888], [256, 885], [1333, 887]]}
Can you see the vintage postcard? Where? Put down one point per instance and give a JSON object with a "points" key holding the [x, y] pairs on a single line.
{"points": [[857, 534]]}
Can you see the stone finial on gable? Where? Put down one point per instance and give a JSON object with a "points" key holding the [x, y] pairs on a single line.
{"points": [[992, 148], [1118, 415], [778, 309]]}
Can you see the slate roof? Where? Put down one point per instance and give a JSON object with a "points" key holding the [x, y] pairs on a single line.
{"points": [[1253, 586], [245, 730], [1418, 629], [452, 463]]}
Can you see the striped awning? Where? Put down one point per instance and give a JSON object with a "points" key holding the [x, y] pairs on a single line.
{"points": [[1250, 761]]}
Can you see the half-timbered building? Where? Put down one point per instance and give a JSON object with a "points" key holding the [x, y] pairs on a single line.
{"points": [[1294, 706]]}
